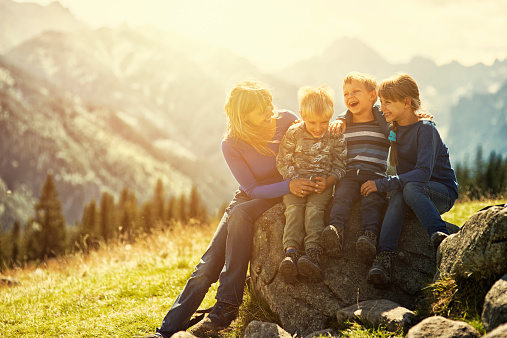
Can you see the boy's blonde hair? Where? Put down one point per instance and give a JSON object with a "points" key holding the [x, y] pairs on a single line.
{"points": [[367, 80], [316, 101], [244, 98]]}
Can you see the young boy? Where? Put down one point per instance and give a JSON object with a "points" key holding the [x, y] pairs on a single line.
{"points": [[309, 150], [368, 148]]}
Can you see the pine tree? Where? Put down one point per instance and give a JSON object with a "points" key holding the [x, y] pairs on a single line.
{"points": [[16, 230], [182, 208], [48, 214], [158, 201], [147, 217], [107, 216], [129, 213], [194, 205]]}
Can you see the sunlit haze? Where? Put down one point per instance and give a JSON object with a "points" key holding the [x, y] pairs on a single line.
{"points": [[276, 33]]}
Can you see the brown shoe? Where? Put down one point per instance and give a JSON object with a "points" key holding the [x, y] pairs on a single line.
{"points": [[218, 319], [366, 245], [288, 267]]}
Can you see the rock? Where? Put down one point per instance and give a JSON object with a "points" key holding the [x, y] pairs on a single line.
{"points": [[182, 334], [9, 281], [257, 329], [494, 312], [324, 333], [307, 307], [478, 250], [442, 327], [373, 313], [499, 332]]}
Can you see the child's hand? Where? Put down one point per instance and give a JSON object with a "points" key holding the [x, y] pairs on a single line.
{"points": [[321, 184], [301, 187], [337, 127], [424, 116], [368, 187]]}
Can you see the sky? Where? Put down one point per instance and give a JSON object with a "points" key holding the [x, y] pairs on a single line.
{"points": [[277, 33]]}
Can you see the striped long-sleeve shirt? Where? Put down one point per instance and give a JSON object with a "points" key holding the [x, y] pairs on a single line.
{"points": [[367, 147]]}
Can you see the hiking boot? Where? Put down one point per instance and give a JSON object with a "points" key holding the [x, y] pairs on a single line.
{"points": [[309, 265], [218, 319], [380, 273], [288, 267], [437, 238], [366, 245], [331, 240]]}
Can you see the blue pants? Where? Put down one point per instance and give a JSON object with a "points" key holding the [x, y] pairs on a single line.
{"points": [[427, 200], [348, 191], [226, 259]]}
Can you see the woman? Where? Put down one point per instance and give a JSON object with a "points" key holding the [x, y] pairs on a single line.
{"points": [[254, 132]]}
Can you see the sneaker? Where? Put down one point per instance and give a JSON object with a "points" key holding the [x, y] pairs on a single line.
{"points": [[288, 267], [218, 319], [331, 240], [366, 245], [309, 264], [437, 238], [380, 273]]}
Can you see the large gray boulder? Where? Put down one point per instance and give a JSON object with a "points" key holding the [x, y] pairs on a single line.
{"points": [[499, 332], [373, 313], [477, 251], [494, 312], [307, 307], [440, 327]]}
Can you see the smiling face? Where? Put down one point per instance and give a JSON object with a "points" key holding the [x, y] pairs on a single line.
{"points": [[316, 125], [260, 118], [393, 110], [357, 98]]}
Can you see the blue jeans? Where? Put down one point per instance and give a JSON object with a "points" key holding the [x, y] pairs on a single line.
{"points": [[348, 191], [226, 259], [427, 200]]}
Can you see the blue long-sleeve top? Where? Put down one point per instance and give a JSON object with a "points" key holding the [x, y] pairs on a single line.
{"points": [[256, 173], [422, 157]]}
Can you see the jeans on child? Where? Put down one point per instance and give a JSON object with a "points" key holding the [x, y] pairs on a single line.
{"points": [[226, 259], [304, 219], [348, 191], [428, 201]]}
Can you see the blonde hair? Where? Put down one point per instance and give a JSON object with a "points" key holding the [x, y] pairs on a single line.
{"points": [[397, 88], [316, 101], [244, 98], [367, 80]]}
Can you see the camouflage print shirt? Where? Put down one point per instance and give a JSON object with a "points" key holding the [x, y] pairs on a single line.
{"points": [[301, 155]]}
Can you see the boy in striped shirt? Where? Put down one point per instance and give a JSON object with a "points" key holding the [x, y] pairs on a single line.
{"points": [[367, 151]]}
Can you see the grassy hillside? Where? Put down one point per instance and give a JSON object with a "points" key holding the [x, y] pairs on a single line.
{"points": [[123, 290]]}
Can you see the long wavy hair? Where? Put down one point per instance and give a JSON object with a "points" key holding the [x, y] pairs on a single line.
{"points": [[244, 98], [398, 88]]}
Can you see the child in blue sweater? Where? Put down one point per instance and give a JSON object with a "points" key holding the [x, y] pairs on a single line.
{"points": [[425, 181]]}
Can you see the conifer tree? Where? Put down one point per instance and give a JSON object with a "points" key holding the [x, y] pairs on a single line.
{"points": [[171, 212], [158, 201], [16, 229], [107, 216], [48, 214], [147, 217], [182, 206], [194, 204], [128, 211]]}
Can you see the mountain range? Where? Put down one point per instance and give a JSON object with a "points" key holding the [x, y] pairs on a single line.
{"points": [[112, 107]]}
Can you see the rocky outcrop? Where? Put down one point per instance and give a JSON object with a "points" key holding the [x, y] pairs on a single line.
{"points": [[495, 305], [373, 313], [478, 250], [257, 329], [307, 307], [440, 327], [499, 332]]}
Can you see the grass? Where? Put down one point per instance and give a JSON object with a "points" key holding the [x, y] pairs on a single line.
{"points": [[461, 211], [125, 290]]}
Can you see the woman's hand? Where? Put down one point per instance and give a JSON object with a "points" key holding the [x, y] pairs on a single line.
{"points": [[368, 187], [337, 126], [301, 187]]}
